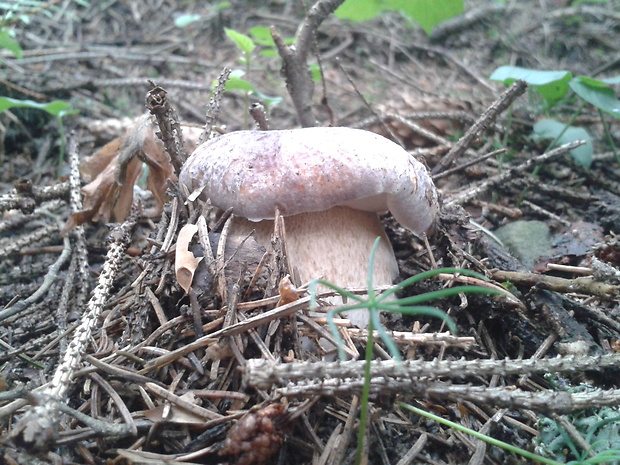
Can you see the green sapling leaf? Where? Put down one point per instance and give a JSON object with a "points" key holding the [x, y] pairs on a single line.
{"points": [[8, 42], [563, 134], [551, 85], [429, 13], [239, 84], [243, 42], [262, 36], [359, 10], [598, 93], [54, 108], [612, 80]]}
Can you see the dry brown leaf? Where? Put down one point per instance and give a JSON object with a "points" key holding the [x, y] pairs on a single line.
{"points": [[288, 291], [185, 263], [113, 170]]}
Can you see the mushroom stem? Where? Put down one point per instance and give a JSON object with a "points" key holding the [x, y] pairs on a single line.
{"points": [[334, 245]]}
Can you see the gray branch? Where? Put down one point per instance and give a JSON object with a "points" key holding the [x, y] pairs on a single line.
{"points": [[295, 59], [420, 378]]}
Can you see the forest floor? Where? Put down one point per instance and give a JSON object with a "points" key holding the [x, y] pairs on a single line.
{"points": [[104, 358]]}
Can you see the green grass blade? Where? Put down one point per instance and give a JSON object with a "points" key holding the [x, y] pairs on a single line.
{"points": [[430, 274], [440, 294], [476, 434]]}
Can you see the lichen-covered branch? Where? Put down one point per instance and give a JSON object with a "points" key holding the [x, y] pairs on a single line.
{"points": [[419, 378], [263, 374], [36, 429]]}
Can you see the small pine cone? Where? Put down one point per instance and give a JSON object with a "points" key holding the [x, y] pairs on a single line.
{"points": [[255, 437]]}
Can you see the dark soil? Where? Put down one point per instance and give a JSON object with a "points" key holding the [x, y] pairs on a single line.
{"points": [[124, 402]]}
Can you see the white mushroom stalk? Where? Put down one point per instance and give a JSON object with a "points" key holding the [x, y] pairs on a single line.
{"points": [[329, 184]]}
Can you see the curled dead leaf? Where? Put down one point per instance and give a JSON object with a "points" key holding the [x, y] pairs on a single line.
{"points": [[185, 263], [288, 291], [113, 170]]}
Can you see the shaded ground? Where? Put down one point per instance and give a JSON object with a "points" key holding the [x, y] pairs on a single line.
{"points": [[100, 57]]}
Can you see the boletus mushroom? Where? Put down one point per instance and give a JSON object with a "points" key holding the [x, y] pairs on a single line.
{"points": [[329, 184]]}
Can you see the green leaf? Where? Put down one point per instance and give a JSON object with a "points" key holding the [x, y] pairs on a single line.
{"points": [[185, 20], [221, 6], [579, 2], [551, 85], [239, 84], [243, 42], [509, 74], [598, 93], [551, 129], [55, 108], [612, 80], [360, 10], [262, 36], [237, 73], [429, 13], [315, 69], [8, 42]]}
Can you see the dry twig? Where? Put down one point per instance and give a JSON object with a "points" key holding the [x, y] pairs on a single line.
{"points": [[496, 108], [294, 59], [37, 427]]}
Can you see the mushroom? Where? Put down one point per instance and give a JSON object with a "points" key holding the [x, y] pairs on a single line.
{"points": [[329, 184]]}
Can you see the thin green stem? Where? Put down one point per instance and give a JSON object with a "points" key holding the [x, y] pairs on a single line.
{"points": [[610, 139], [374, 318], [552, 144], [450, 291], [566, 126], [429, 274], [476, 434], [361, 432]]}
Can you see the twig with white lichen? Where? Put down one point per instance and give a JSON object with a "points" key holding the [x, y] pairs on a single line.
{"points": [[37, 428]]}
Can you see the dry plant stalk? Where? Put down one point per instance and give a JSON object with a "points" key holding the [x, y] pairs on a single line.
{"points": [[419, 378], [262, 374], [80, 257], [23, 241], [294, 59], [214, 108], [171, 135], [25, 196], [496, 108], [510, 173], [584, 284], [36, 429]]}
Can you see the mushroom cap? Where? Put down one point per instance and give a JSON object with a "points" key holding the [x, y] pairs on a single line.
{"points": [[309, 170]]}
